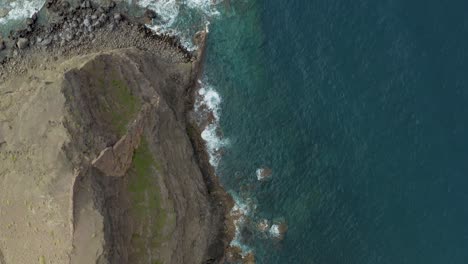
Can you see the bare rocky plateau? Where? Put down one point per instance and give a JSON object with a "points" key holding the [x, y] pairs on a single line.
{"points": [[100, 161]]}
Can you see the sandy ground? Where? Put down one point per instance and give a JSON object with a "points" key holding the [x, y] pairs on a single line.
{"points": [[35, 175]]}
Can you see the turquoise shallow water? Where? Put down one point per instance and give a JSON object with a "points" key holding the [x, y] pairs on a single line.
{"points": [[361, 110]]}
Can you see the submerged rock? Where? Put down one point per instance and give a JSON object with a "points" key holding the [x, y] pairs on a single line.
{"points": [[263, 173], [263, 225], [278, 230], [234, 254], [249, 259]]}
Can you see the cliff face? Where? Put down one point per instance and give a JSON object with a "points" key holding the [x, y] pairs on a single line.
{"points": [[98, 166]]}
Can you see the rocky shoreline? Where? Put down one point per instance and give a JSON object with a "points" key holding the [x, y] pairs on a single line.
{"points": [[73, 29], [78, 26]]}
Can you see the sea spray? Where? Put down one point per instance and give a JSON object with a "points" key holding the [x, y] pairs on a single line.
{"points": [[240, 213], [208, 107], [181, 18], [20, 9]]}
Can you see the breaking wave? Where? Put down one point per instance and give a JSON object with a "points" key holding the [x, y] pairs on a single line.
{"points": [[181, 18], [208, 107], [240, 214], [20, 9]]}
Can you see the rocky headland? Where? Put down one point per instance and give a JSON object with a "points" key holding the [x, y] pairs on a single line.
{"points": [[100, 160]]}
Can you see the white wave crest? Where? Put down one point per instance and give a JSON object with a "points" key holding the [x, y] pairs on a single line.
{"points": [[239, 213], [208, 7], [214, 143], [21, 9], [263, 173], [209, 101], [169, 10], [275, 231]]}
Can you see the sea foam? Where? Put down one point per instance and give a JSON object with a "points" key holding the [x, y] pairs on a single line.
{"points": [[21, 9], [208, 103], [239, 213], [169, 10], [275, 230]]}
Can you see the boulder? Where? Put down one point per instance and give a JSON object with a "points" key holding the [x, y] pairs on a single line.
{"points": [[263, 225], [263, 173], [117, 17], [22, 43], [46, 42], [2, 45], [29, 21], [278, 230], [86, 22]]}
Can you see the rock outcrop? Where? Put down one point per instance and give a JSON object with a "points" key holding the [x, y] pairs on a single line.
{"points": [[99, 160], [116, 160], [97, 165]]}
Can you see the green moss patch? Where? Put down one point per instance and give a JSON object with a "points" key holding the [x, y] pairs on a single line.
{"points": [[119, 104], [148, 214]]}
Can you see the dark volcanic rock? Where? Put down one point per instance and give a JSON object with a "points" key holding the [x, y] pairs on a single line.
{"points": [[150, 14], [29, 21]]}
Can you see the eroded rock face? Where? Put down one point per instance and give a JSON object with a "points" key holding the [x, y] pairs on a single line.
{"points": [[115, 161], [151, 160], [69, 126]]}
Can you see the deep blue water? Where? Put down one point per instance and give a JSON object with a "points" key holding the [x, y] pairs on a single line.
{"points": [[361, 110]]}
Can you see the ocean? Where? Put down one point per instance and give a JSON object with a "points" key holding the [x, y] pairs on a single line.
{"points": [[360, 111]]}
